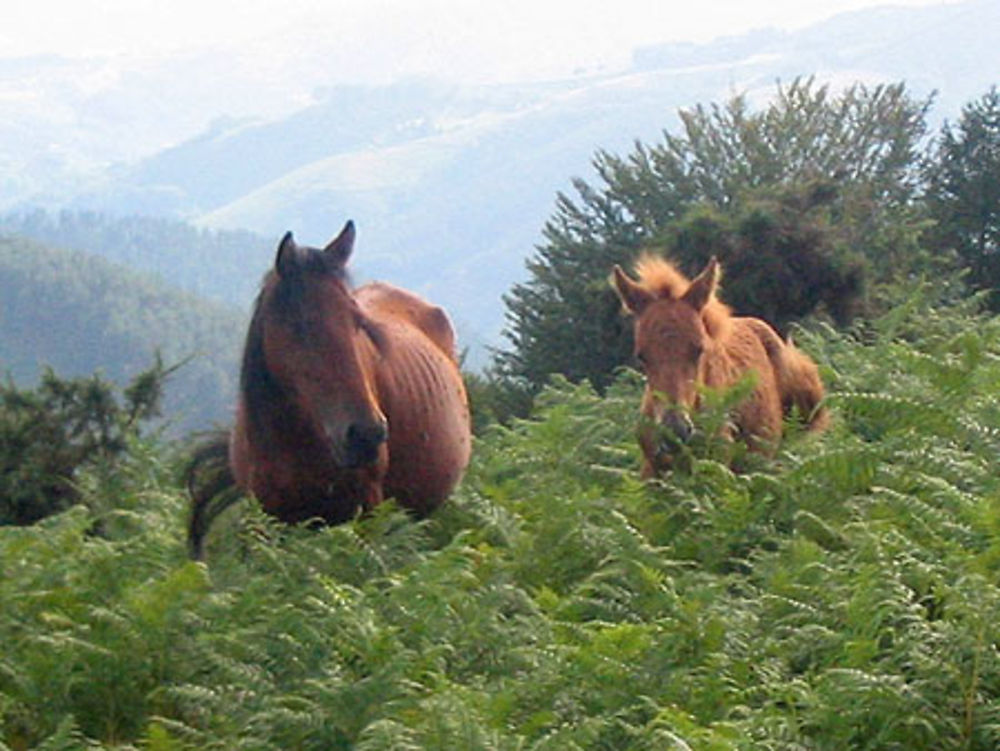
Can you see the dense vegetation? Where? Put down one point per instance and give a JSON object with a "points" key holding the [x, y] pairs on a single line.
{"points": [[963, 178], [843, 596], [79, 314]]}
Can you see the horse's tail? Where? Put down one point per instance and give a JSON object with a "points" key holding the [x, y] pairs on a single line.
{"points": [[211, 485], [801, 386], [796, 374]]}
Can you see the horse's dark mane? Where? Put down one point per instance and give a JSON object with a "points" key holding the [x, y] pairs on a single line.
{"points": [[261, 392]]}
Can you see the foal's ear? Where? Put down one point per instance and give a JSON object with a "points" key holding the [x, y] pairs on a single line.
{"points": [[286, 259], [341, 246], [703, 286], [634, 296]]}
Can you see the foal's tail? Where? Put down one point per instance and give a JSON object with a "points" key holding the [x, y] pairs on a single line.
{"points": [[802, 388], [212, 488], [797, 375]]}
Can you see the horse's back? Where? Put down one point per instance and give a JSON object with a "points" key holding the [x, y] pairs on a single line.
{"points": [[421, 391], [386, 301], [760, 415]]}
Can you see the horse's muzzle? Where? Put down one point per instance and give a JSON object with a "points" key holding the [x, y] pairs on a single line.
{"points": [[679, 425], [363, 441]]}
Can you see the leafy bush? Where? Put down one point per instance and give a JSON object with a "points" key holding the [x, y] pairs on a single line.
{"points": [[841, 596]]}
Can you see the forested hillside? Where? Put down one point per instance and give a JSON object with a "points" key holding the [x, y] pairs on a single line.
{"points": [[223, 266], [79, 314]]}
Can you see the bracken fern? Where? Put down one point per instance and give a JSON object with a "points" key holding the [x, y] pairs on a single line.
{"points": [[842, 595]]}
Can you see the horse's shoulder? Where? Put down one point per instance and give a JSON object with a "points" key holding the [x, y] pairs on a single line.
{"points": [[387, 301]]}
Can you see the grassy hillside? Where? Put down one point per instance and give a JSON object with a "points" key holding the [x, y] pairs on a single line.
{"points": [[80, 314], [843, 596]]}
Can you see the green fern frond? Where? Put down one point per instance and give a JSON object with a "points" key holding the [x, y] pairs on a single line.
{"points": [[388, 735], [873, 416], [67, 737]]}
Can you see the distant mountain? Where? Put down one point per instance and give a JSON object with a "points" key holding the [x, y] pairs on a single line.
{"points": [[451, 185], [80, 314]]}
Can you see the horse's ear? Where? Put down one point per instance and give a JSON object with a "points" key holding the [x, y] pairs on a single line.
{"points": [[341, 246], [703, 286], [286, 259], [634, 296]]}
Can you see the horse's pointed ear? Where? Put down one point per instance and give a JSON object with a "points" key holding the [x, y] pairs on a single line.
{"points": [[634, 296], [703, 286], [285, 260], [341, 246]]}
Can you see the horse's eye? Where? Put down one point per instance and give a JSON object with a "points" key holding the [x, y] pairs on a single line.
{"points": [[640, 361], [697, 351]]}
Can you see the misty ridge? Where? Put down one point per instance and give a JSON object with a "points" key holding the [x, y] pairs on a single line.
{"points": [[450, 185]]}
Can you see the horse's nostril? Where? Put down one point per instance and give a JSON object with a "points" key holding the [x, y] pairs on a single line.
{"points": [[680, 425], [363, 441], [371, 434]]}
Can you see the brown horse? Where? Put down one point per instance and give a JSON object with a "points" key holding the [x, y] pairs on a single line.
{"points": [[685, 338], [346, 397]]}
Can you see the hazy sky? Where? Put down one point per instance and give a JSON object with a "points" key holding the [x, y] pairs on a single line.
{"points": [[470, 39]]}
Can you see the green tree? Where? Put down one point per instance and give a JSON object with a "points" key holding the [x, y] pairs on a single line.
{"points": [[48, 434], [963, 191], [829, 175], [783, 260]]}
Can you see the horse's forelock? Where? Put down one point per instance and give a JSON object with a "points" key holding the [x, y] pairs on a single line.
{"points": [[665, 280], [661, 277]]}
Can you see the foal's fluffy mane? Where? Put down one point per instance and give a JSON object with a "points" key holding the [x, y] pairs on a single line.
{"points": [[660, 277]]}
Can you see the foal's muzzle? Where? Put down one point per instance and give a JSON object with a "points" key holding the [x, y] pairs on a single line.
{"points": [[680, 428]]}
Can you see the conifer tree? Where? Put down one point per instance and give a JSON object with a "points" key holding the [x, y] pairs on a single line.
{"points": [[964, 192], [51, 432]]}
